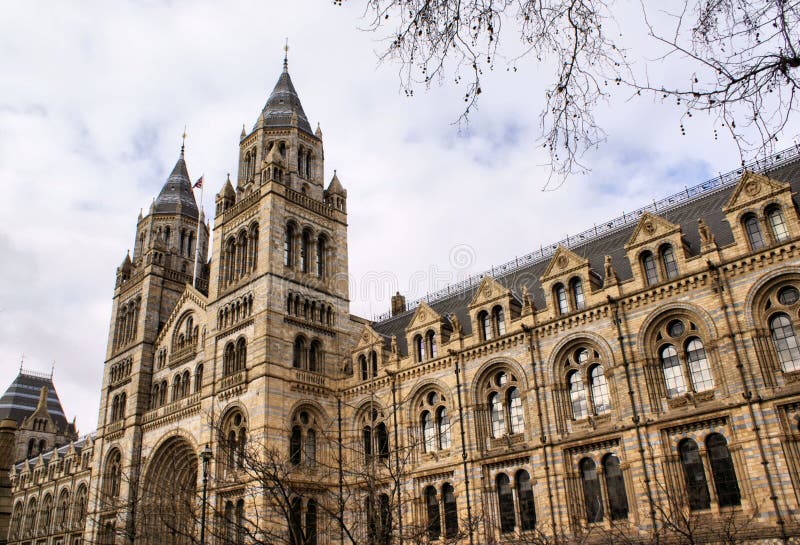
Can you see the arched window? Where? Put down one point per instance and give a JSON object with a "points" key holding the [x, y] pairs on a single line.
{"points": [[45, 514], [443, 427], [295, 521], [311, 447], [299, 354], [62, 510], [615, 486], [177, 389], [561, 299], [198, 378], [79, 508], [527, 508], [241, 354], [295, 446], [484, 326], [311, 522], [577, 396], [113, 474], [725, 482], [514, 402], [16, 521], [428, 432], [753, 230], [30, 517], [601, 399], [649, 269], [430, 342], [784, 338], [373, 358], [497, 415], [777, 224], [229, 359], [366, 435], [315, 357], [505, 501], [385, 520], [419, 348], [499, 320], [450, 511], [305, 243], [592, 497], [694, 475], [288, 245], [383, 440], [576, 286], [698, 365], [434, 517], [321, 248], [673, 371], [233, 441], [668, 260], [362, 363]]}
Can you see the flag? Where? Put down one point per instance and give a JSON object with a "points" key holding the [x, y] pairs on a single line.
{"points": [[199, 183]]}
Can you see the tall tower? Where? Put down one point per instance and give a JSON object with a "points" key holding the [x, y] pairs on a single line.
{"points": [[147, 288]]}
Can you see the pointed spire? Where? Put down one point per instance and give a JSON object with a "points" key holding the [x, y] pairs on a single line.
{"points": [[176, 195], [244, 133], [140, 214], [282, 103], [335, 187], [318, 132], [227, 189]]}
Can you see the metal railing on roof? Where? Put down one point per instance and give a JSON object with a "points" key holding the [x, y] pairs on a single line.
{"points": [[598, 231]]}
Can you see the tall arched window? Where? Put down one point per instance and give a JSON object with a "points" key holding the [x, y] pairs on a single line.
{"points": [[15, 530], [514, 402], [30, 517], [241, 354], [383, 440], [694, 475], [753, 230], [443, 428], [362, 363], [315, 357], [784, 338], [79, 508], [198, 378], [428, 432], [577, 396], [233, 441], [527, 508], [601, 399], [668, 260], [366, 436], [725, 482], [45, 514], [311, 522], [419, 348], [499, 319], [484, 326], [305, 243], [592, 497], [777, 224], [615, 486], [299, 353], [321, 249], [433, 515], [296, 521], [698, 365], [673, 371], [62, 510], [505, 405], [113, 475], [450, 511], [576, 286], [497, 415], [295, 446], [649, 268], [311, 447], [505, 501], [430, 342], [229, 359], [561, 299], [288, 245], [373, 359]]}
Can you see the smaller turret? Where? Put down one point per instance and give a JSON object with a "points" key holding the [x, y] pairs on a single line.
{"points": [[336, 195], [226, 196]]}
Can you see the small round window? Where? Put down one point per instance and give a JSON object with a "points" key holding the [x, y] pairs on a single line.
{"points": [[788, 295], [501, 379], [676, 328], [433, 398], [582, 355], [237, 419]]}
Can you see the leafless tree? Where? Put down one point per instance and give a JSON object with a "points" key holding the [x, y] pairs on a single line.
{"points": [[740, 56]]}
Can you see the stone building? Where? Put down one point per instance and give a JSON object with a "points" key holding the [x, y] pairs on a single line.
{"points": [[639, 375]]}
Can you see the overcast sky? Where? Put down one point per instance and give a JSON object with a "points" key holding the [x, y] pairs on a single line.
{"points": [[94, 97]]}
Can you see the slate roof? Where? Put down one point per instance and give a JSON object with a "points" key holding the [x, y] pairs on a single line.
{"points": [[282, 102], [707, 205], [62, 451], [22, 397], [177, 189]]}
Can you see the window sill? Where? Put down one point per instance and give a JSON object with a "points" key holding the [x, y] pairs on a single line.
{"points": [[690, 398]]}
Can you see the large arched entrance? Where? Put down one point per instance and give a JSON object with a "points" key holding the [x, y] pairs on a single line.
{"points": [[168, 513]]}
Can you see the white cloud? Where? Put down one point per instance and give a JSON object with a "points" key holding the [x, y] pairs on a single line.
{"points": [[94, 100]]}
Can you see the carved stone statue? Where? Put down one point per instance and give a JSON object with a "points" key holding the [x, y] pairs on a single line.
{"points": [[610, 273], [706, 235], [456, 324]]}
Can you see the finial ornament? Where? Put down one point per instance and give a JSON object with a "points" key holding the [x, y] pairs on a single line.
{"points": [[286, 56], [183, 141]]}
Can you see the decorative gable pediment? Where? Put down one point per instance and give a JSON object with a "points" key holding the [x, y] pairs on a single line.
{"points": [[753, 187], [488, 290], [191, 298], [651, 227], [367, 338], [423, 316], [563, 262]]}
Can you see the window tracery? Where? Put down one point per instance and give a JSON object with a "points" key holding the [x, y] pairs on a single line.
{"points": [[502, 392]]}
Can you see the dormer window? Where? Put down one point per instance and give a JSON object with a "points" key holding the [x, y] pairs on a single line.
{"points": [[419, 348], [753, 230], [576, 287], [484, 326], [649, 269], [430, 341], [668, 261], [561, 299], [777, 224], [499, 320]]}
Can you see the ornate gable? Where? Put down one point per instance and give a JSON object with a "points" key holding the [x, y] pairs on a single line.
{"points": [[564, 261], [488, 290], [649, 228], [753, 187], [190, 296], [367, 338], [423, 316]]}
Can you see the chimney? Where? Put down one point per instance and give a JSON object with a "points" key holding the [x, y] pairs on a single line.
{"points": [[398, 304]]}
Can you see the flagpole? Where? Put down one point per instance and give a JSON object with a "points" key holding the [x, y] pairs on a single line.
{"points": [[200, 215]]}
